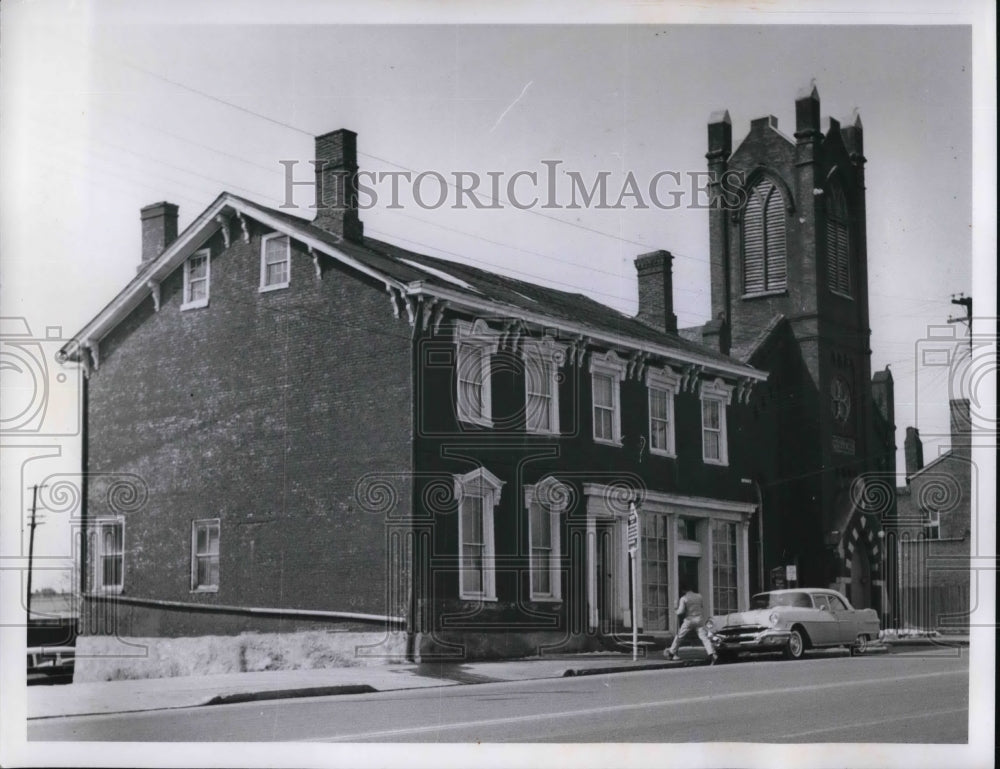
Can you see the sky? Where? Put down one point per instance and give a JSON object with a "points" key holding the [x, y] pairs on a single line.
{"points": [[108, 106], [119, 109]]}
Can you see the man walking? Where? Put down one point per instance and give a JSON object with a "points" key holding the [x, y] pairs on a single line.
{"points": [[690, 610]]}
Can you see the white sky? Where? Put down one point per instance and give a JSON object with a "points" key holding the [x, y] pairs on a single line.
{"points": [[109, 106]]}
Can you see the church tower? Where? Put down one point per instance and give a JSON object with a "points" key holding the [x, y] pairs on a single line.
{"points": [[790, 295]]}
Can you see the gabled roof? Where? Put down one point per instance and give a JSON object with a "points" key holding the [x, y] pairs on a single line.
{"points": [[411, 274], [747, 350], [950, 453]]}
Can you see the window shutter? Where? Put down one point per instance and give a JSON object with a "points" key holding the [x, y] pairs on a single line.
{"points": [[753, 244], [775, 242], [837, 243]]}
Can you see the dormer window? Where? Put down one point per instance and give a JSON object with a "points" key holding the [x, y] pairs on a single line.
{"points": [[196, 280], [764, 252], [275, 262]]}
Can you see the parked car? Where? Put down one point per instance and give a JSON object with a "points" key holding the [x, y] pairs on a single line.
{"points": [[792, 621], [50, 664]]}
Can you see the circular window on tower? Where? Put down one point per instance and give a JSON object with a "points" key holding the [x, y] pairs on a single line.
{"points": [[840, 399]]}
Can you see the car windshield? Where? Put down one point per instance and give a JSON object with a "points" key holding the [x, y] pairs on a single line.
{"points": [[770, 600]]}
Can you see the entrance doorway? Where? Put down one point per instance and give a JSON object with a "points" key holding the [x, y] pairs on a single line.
{"points": [[606, 604], [687, 573], [861, 578]]}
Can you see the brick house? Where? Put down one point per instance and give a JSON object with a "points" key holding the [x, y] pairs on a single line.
{"points": [[318, 430], [931, 535]]}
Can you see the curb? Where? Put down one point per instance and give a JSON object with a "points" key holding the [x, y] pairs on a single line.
{"points": [[945, 642], [571, 672], [287, 694]]}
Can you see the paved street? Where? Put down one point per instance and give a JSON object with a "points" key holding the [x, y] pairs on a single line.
{"points": [[894, 698]]}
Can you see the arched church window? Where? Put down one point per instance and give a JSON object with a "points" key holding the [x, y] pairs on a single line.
{"points": [[838, 264], [764, 252]]}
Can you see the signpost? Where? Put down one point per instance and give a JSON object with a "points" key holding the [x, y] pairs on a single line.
{"points": [[791, 574], [633, 544]]}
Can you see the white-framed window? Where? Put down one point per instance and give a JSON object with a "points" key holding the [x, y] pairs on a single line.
{"points": [[477, 494], [108, 554], [715, 397], [476, 343], [205, 555], [932, 524], [662, 384], [724, 571], [541, 385], [546, 502], [197, 276], [606, 374], [275, 261]]}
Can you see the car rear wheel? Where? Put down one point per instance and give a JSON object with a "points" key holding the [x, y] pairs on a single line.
{"points": [[860, 646], [796, 647]]}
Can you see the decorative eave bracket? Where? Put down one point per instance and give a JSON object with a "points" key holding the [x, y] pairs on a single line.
{"points": [[690, 376], [154, 288], [744, 389], [223, 221], [316, 265], [243, 226]]}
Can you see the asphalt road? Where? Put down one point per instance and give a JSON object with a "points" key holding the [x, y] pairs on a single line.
{"points": [[888, 698]]}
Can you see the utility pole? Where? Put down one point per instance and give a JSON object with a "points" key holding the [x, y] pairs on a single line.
{"points": [[31, 543], [966, 302]]}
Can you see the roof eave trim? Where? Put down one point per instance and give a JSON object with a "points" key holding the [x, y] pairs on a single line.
{"points": [[202, 228], [458, 299]]}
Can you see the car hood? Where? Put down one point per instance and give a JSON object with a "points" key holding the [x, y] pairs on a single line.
{"points": [[754, 617]]}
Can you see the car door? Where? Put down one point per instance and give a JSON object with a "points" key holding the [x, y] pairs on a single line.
{"points": [[847, 621], [822, 626]]}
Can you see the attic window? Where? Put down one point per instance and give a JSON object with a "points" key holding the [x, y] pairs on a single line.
{"points": [[196, 280], [764, 257], [275, 262]]}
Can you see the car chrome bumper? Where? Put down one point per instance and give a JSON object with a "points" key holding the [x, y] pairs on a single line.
{"points": [[765, 641]]}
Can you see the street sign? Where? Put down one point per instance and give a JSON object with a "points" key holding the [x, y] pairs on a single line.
{"points": [[791, 573], [633, 531]]}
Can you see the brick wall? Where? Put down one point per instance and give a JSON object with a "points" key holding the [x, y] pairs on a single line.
{"points": [[446, 447], [261, 410]]}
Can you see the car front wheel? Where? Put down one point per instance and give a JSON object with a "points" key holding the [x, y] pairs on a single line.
{"points": [[796, 647], [860, 646]]}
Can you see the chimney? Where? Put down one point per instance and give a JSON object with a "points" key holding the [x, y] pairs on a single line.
{"points": [[913, 449], [961, 425], [656, 291], [807, 115], [337, 184], [159, 230], [715, 334]]}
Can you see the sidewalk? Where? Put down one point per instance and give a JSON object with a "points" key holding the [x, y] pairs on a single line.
{"points": [[191, 691]]}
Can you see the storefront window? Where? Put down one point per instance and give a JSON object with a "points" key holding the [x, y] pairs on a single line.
{"points": [[724, 593], [655, 571]]}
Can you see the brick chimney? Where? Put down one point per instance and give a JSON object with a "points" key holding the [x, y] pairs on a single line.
{"points": [[336, 184], [961, 425], [159, 229], [656, 291], [913, 450]]}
